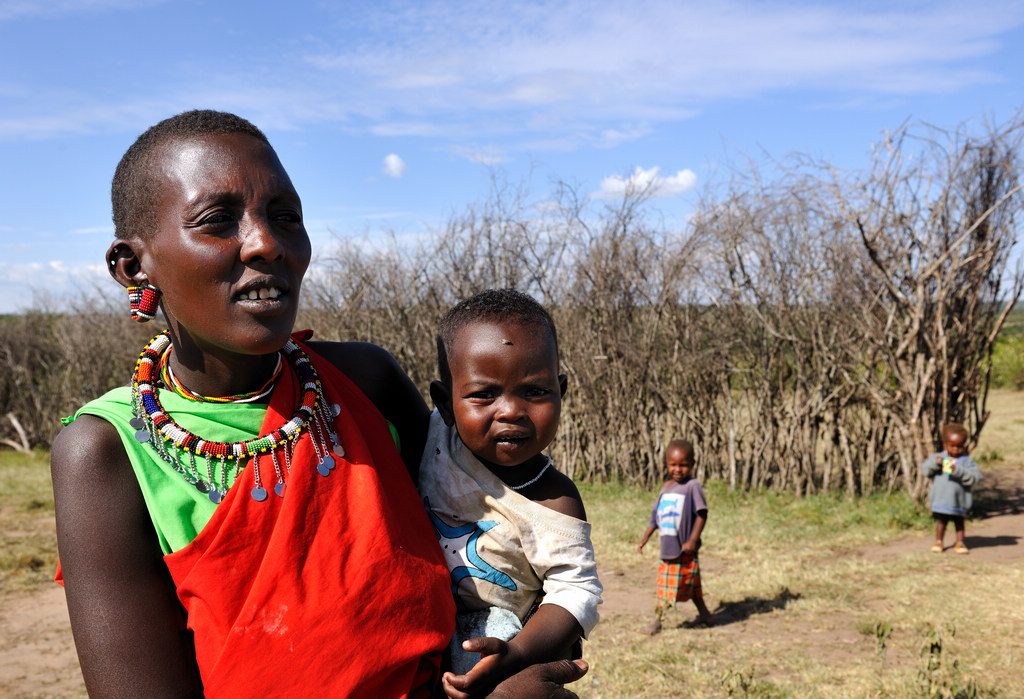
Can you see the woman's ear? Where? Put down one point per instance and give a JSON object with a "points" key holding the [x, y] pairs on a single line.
{"points": [[123, 263]]}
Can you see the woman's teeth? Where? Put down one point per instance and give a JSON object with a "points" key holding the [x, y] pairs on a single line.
{"points": [[264, 293]]}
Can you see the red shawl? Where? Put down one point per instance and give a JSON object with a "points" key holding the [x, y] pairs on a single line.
{"points": [[337, 589]]}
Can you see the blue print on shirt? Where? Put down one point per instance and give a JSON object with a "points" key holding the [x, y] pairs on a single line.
{"points": [[460, 544], [670, 513]]}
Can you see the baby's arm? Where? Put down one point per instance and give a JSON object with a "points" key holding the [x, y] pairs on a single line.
{"points": [[931, 466], [966, 471], [548, 635]]}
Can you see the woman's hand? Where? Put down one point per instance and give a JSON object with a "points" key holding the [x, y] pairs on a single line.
{"points": [[542, 681]]}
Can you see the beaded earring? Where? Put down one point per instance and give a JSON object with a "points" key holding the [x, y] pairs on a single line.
{"points": [[144, 301]]}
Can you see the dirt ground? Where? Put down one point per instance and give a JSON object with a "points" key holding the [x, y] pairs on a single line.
{"points": [[37, 654]]}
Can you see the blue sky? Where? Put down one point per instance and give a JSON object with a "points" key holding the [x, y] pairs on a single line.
{"points": [[393, 115]]}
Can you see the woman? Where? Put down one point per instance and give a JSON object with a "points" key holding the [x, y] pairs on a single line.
{"points": [[238, 521]]}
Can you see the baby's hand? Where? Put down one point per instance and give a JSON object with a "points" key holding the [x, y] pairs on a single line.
{"points": [[498, 661]]}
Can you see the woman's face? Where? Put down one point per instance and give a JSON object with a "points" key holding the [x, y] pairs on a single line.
{"points": [[230, 248]]}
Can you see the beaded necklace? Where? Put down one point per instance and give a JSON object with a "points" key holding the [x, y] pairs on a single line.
{"points": [[313, 415], [534, 479], [173, 382]]}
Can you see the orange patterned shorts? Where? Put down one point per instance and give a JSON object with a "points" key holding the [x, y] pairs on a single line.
{"points": [[678, 580]]}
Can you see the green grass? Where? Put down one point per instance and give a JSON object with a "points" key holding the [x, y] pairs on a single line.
{"points": [[813, 603], [28, 544], [739, 519]]}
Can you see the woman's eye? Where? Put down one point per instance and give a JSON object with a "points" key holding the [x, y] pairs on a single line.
{"points": [[216, 218]]}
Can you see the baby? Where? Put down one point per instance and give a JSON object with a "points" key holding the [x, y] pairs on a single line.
{"points": [[512, 527]]}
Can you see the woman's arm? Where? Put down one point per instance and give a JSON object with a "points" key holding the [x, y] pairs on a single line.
{"points": [[128, 626]]}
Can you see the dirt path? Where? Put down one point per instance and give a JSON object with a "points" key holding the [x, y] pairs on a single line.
{"points": [[37, 655]]}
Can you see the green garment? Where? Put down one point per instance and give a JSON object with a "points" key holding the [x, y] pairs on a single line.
{"points": [[179, 511]]}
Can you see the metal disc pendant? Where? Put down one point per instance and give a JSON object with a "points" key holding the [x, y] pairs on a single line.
{"points": [[338, 449], [142, 436], [328, 462], [279, 490], [259, 494], [137, 423], [322, 468], [202, 486], [336, 409], [216, 496]]}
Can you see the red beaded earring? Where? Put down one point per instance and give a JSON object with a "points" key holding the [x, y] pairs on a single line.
{"points": [[145, 302]]}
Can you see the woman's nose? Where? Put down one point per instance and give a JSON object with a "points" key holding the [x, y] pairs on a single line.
{"points": [[260, 241]]}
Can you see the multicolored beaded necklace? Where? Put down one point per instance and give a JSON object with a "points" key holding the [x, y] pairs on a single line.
{"points": [[172, 382], [313, 415]]}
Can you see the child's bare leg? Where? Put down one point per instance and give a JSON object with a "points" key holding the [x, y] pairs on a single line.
{"points": [[940, 528], [958, 524], [702, 609], [655, 626]]}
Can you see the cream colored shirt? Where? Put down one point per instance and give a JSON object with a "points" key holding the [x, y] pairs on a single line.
{"points": [[502, 549]]}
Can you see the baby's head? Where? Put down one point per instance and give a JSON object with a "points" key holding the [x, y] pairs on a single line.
{"points": [[679, 460], [497, 355], [954, 439]]}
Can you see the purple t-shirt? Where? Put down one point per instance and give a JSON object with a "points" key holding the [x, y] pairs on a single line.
{"points": [[674, 515]]}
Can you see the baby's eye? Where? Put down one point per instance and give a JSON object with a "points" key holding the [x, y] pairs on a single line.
{"points": [[535, 392]]}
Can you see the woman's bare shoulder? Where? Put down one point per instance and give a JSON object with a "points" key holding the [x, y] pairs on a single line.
{"points": [[88, 446], [362, 362]]}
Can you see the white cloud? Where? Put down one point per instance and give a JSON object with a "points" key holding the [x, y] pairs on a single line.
{"points": [[34, 284], [576, 72], [649, 181], [393, 166], [485, 155], [580, 56]]}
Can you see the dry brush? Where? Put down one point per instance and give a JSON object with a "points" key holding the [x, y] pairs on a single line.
{"points": [[808, 330]]}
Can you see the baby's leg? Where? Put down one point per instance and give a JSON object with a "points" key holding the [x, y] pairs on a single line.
{"points": [[958, 524], [960, 546], [493, 621]]}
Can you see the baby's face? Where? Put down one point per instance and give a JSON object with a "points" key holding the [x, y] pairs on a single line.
{"points": [[506, 390], [955, 445]]}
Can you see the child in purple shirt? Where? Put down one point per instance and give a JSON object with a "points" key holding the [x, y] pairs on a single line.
{"points": [[679, 516]]}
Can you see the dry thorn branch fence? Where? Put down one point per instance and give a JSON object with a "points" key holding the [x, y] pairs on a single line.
{"points": [[808, 332]]}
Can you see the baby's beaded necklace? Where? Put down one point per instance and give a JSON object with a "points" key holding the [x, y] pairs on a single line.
{"points": [[313, 415]]}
